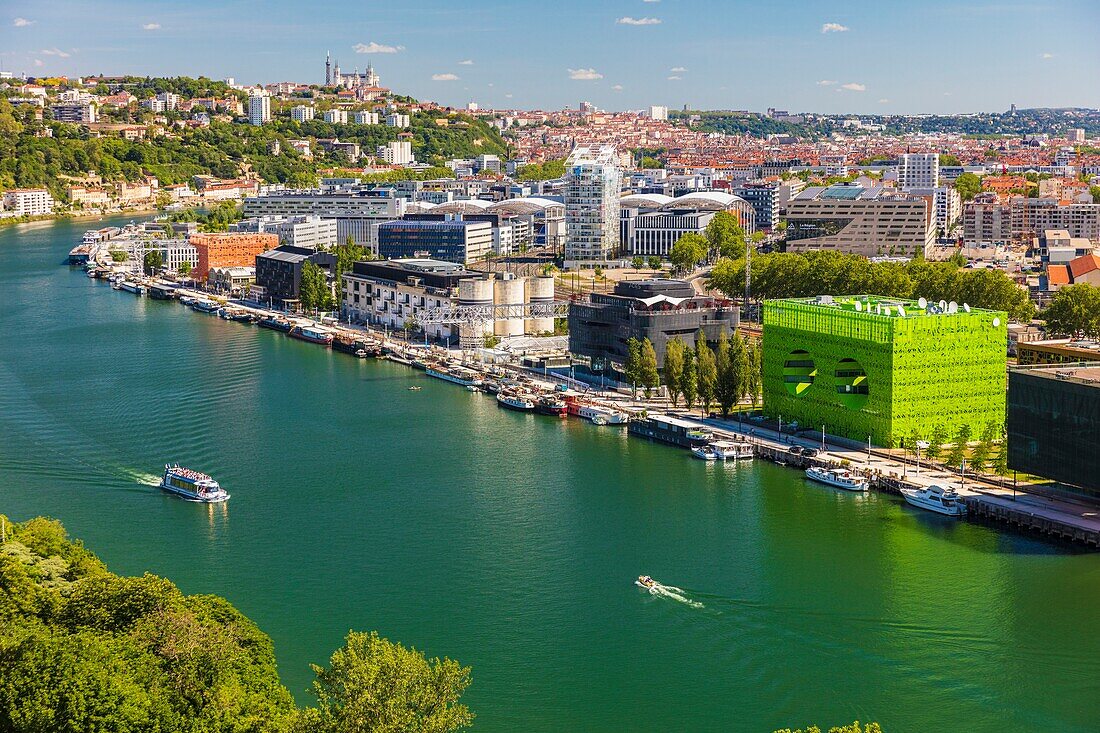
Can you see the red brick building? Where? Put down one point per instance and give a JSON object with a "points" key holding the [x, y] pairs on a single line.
{"points": [[229, 250]]}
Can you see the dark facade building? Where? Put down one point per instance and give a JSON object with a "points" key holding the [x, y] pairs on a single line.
{"points": [[659, 310], [764, 198], [1054, 423], [279, 271], [459, 241]]}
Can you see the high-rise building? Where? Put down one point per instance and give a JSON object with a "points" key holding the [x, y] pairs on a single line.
{"points": [[364, 117], [259, 108], [336, 116], [302, 113], [592, 188], [396, 152], [882, 369], [918, 170], [658, 112]]}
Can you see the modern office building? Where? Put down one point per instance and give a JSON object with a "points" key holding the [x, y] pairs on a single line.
{"points": [[918, 170], [1057, 351], [357, 210], [260, 108], [313, 232], [228, 250], [1053, 423], [866, 367], [659, 310], [392, 293], [303, 113], [455, 240], [651, 223], [869, 221], [592, 188], [763, 196], [279, 271]]}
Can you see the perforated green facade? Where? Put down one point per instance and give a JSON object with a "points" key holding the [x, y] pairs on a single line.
{"points": [[883, 371]]}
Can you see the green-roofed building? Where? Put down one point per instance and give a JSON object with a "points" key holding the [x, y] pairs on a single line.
{"points": [[867, 366]]}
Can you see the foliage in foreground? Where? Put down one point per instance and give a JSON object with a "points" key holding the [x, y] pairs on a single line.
{"points": [[853, 728], [83, 649]]}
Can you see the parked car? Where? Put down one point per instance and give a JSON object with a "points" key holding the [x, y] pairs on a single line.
{"points": [[795, 449], [810, 452]]}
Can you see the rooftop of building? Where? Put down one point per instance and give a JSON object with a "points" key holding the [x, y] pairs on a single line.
{"points": [[1087, 373], [876, 306], [432, 223]]}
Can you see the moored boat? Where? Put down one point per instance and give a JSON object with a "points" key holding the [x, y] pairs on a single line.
{"points": [[205, 306], [549, 404], [837, 477], [596, 413], [730, 450], [192, 485], [312, 334], [455, 375], [935, 499], [275, 323], [705, 452], [515, 401]]}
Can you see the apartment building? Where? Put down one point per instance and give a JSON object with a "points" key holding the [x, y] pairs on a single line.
{"points": [[592, 187], [306, 231], [259, 108], [986, 220], [397, 119], [336, 116], [28, 201], [357, 210], [918, 171], [303, 113], [396, 152], [78, 112], [868, 221], [228, 250], [363, 117]]}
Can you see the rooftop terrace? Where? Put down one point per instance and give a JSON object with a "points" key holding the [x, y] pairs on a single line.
{"points": [[883, 307]]}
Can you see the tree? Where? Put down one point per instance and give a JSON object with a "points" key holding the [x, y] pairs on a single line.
{"points": [[979, 457], [373, 685], [689, 378], [185, 268], [1000, 458], [674, 368], [632, 370], [753, 377], [647, 368], [313, 290], [936, 441], [949, 160], [688, 251], [637, 262], [654, 262], [725, 236], [733, 369], [855, 727], [1074, 310], [154, 260], [706, 371], [957, 452], [968, 185]]}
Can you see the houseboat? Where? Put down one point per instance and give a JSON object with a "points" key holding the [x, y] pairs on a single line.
{"points": [[455, 375], [668, 429], [596, 413], [313, 334], [275, 323], [549, 404], [516, 401]]}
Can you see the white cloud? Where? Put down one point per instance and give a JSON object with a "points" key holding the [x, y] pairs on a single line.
{"points": [[674, 78], [38, 62], [55, 52], [884, 101], [373, 47], [23, 22], [853, 87], [619, 87], [1046, 55], [444, 77], [627, 20], [677, 69], [151, 27], [651, 1], [508, 95], [491, 84], [466, 62], [833, 28], [826, 82], [584, 74]]}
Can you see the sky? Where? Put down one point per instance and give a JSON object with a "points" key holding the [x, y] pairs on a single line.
{"points": [[857, 56]]}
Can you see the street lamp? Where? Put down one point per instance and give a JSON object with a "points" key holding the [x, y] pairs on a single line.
{"points": [[921, 444]]}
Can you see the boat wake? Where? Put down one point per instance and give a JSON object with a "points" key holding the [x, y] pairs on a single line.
{"points": [[673, 593]]}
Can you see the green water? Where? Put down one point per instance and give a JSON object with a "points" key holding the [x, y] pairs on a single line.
{"points": [[509, 541]]}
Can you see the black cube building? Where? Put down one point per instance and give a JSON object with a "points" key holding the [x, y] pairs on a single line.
{"points": [[279, 271], [1054, 423], [658, 309]]}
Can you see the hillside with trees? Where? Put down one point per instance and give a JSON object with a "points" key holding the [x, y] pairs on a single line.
{"points": [[83, 649]]}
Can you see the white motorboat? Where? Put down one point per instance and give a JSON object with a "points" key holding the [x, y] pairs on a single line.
{"points": [[644, 581], [936, 499], [837, 477], [706, 452], [729, 450]]}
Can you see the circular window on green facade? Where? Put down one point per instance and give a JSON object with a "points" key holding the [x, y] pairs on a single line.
{"points": [[851, 384], [799, 372]]}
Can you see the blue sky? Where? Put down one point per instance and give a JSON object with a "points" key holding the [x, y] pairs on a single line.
{"points": [[801, 55]]}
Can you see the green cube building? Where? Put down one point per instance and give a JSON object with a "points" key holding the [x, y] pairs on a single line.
{"points": [[865, 366]]}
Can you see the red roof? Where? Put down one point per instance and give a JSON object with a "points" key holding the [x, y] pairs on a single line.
{"points": [[1057, 275], [1083, 265]]}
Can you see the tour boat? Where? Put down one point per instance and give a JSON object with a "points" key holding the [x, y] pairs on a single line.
{"points": [[837, 477], [935, 499], [550, 405], [644, 581], [312, 334], [192, 485], [706, 452], [515, 401], [729, 450], [456, 375]]}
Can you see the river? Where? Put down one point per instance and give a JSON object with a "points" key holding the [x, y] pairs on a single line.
{"points": [[509, 542]]}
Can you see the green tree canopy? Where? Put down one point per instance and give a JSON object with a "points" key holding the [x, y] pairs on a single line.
{"points": [[1074, 310], [647, 368], [725, 235], [968, 185], [674, 367], [688, 251]]}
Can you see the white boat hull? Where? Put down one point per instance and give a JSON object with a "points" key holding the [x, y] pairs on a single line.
{"points": [[859, 486], [953, 511], [188, 496]]}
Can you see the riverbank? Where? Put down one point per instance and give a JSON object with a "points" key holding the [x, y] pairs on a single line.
{"points": [[78, 216]]}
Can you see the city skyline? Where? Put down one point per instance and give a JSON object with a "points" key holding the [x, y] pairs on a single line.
{"points": [[810, 56]]}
